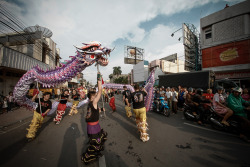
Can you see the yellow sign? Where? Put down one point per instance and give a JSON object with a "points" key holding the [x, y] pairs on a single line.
{"points": [[229, 54]]}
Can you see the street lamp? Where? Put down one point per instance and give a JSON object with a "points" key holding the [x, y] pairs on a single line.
{"points": [[175, 32]]}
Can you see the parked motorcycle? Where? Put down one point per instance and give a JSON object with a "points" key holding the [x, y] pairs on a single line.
{"points": [[161, 106]]}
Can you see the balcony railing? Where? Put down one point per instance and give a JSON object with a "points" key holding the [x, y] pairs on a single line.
{"points": [[14, 59]]}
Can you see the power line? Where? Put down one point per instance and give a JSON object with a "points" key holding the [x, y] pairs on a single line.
{"points": [[12, 24]]}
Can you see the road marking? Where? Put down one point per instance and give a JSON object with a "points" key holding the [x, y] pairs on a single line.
{"points": [[14, 128], [209, 129]]}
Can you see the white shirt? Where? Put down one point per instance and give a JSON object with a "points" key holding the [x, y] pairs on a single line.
{"points": [[219, 98], [175, 95], [10, 98], [168, 94], [5, 104], [40, 95]]}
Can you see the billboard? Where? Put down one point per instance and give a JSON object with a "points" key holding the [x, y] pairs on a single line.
{"points": [[234, 53], [191, 47], [133, 55]]}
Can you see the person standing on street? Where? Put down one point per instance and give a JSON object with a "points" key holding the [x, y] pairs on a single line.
{"points": [[169, 98], [175, 100], [10, 101], [140, 112], [127, 100], [45, 105], [5, 105]]}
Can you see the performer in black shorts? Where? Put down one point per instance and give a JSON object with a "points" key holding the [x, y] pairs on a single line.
{"points": [[97, 136]]}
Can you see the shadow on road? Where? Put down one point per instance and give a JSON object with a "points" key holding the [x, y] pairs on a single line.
{"points": [[112, 159], [131, 129], [69, 155], [9, 152]]}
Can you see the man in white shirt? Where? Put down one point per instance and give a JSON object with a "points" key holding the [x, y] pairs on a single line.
{"points": [[169, 98], [175, 100]]}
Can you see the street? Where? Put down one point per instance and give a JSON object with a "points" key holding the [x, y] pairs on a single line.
{"points": [[174, 141]]}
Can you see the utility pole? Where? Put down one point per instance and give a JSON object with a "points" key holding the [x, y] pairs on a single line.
{"points": [[135, 55]]}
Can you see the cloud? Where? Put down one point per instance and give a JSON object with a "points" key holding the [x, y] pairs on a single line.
{"points": [[74, 22]]}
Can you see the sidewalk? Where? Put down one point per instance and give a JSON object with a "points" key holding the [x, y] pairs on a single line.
{"points": [[14, 116]]}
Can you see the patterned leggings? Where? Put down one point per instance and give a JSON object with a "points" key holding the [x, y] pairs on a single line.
{"points": [[34, 125], [60, 112], [141, 117]]}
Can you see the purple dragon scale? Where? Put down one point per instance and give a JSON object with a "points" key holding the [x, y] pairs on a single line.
{"points": [[86, 55]]}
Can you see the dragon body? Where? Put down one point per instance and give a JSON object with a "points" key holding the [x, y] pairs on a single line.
{"points": [[86, 55]]}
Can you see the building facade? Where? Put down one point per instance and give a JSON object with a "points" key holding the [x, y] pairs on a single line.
{"points": [[20, 52], [225, 43]]}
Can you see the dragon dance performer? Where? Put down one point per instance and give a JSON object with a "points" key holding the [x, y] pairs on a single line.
{"points": [[61, 107], [97, 136], [112, 102], [39, 115], [75, 97], [140, 111], [127, 99]]}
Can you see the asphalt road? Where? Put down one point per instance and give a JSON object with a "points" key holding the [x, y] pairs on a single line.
{"points": [[174, 141]]}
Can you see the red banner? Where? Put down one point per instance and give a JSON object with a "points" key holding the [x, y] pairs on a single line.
{"points": [[227, 54]]}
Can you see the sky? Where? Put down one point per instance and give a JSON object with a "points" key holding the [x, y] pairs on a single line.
{"points": [[146, 24]]}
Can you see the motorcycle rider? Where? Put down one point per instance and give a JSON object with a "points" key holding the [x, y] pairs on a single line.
{"points": [[236, 103], [199, 100], [189, 100], [220, 107]]}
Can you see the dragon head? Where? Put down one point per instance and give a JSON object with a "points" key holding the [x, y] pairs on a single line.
{"points": [[94, 52]]}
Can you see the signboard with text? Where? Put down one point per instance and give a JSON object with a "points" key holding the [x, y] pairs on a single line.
{"points": [[234, 53]]}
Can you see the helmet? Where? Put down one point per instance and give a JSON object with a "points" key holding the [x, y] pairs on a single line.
{"points": [[190, 89], [219, 88], [237, 89], [199, 91], [161, 98]]}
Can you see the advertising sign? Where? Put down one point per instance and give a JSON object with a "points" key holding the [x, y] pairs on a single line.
{"points": [[133, 55], [227, 54]]}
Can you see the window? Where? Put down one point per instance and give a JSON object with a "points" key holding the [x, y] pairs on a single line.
{"points": [[208, 33]]}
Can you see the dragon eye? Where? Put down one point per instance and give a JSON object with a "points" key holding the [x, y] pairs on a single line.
{"points": [[92, 56]]}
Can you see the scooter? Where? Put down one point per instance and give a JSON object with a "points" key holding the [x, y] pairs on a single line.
{"points": [[161, 106]]}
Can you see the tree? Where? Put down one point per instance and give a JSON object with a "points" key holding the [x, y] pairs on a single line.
{"points": [[117, 71], [121, 80], [110, 76]]}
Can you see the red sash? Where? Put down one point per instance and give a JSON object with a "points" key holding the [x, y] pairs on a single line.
{"points": [[92, 123]]}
